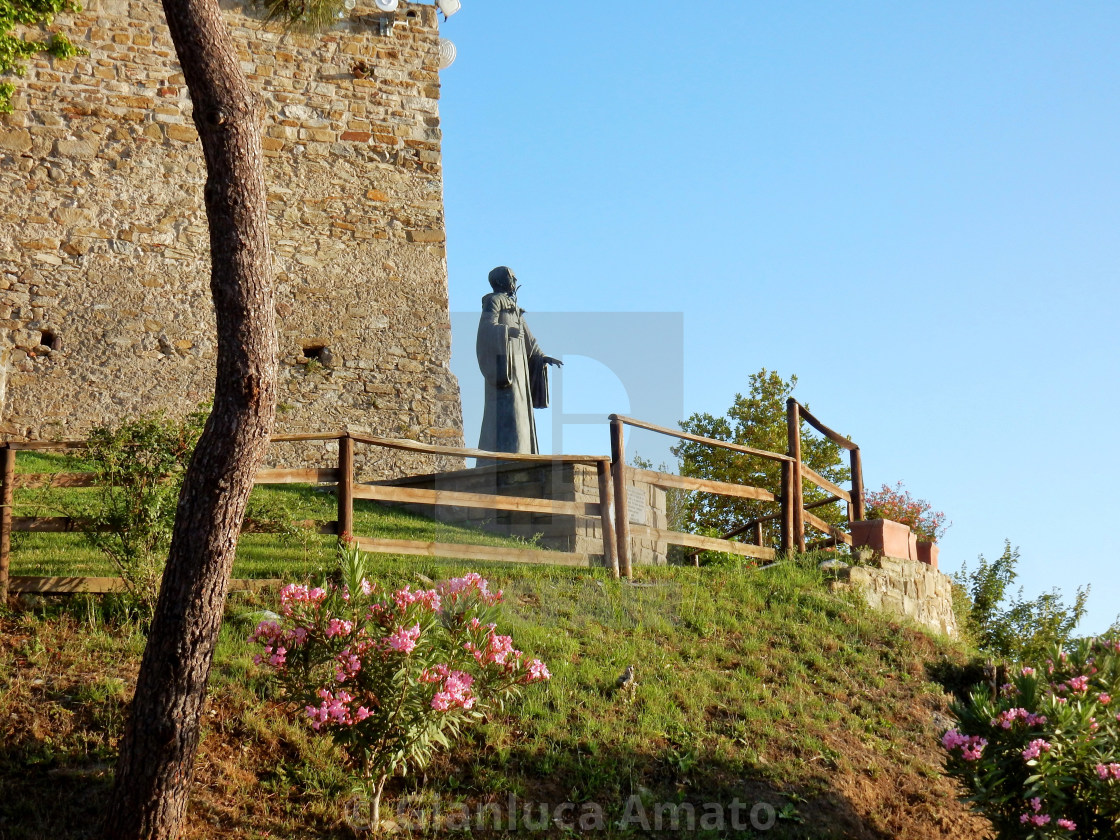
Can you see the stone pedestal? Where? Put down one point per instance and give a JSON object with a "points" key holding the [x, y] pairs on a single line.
{"points": [[561, 482]]}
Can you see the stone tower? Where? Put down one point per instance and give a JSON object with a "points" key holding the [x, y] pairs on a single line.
{"points": [[104, 255]]}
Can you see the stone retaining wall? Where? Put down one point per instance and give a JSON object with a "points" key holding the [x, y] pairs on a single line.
{"points": [[104, 255], [906, 588]]}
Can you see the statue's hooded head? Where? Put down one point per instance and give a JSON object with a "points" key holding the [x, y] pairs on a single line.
{"points": [[503, 280]]}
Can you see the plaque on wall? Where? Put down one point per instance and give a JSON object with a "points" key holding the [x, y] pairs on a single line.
{"points": [[637, 508]]}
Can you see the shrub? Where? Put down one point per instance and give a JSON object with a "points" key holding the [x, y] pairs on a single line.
{"points": [[1012, 627], [1040, 760], [139, 467], [392, 678], [896, 503]]}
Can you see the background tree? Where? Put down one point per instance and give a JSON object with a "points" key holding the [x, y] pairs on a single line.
{"points": [[158, 748], [1017, 629], [757, 420]]}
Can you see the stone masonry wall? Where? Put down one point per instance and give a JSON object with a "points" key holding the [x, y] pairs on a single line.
{"points": [[104, 256], [907, 588], [561, 482]]}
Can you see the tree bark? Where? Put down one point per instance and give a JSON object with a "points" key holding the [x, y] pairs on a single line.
{"points": [[156, 762]]}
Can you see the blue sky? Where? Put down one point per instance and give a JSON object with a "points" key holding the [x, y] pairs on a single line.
{"points": [[912, 207]]}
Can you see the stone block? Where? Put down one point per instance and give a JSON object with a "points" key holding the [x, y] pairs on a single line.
{"points": [[18, 140]]}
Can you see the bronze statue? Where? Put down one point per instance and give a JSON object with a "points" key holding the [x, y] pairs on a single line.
{"points": [[515, 370]]}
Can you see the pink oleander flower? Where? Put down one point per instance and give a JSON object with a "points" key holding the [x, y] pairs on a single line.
{"points": [[1068, 825], [1035, 749], [338, 627], [333, 709], [537, 672], [437, 673], [1104, 699], [1106, 771], [971, 746], [467, 585], [349, 664], [427, 598], [403, 640], [1078, 684], [1028, 672], [455, 692]]}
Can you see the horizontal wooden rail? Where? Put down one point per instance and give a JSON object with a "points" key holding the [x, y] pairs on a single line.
{"points": [[66, 524], [833, 436], [103, 585], [704, 543], [309, 476], [47, 524], [775, 516], [308, 436], [681, 482], [44, 445], [828, 528], [455, 498], [465, 551], [734, 447], [319, 526], [36, 480], [825, 484], [436, 449]]}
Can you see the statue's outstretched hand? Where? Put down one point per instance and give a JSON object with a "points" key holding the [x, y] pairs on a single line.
{"points": [[548, 360]]}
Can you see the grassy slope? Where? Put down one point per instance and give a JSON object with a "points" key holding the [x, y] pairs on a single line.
{"points": [[756, 685]]}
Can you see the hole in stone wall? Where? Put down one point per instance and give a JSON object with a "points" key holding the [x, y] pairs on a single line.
{"points": [[319, 353], [49, 340]]}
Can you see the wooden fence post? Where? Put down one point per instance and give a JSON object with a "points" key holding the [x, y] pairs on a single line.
{"points": [[797, 489], [858, 509], [346, 485], [7, 476], [621, 512], [610, 548], [787, 537]]}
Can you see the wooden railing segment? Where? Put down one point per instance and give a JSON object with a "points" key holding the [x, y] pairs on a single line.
{"points": [[828, 528], [682, 482], [822, 482], [835, 437], [704, 543], [459, 451], [677, 433], [467, 551], [298, 476], [486, 501]]}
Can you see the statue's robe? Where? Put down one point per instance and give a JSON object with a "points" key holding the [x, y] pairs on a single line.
{"points": [[516, 377]]}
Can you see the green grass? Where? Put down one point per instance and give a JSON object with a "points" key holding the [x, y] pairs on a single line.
{"points": [[291, 555], [756, 685]]}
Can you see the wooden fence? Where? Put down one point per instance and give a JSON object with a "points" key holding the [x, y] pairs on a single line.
{"points": [[346, 490], [794, 515]]}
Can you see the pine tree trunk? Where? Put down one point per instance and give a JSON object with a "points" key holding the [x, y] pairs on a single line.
{"points": [[156, 762]]}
